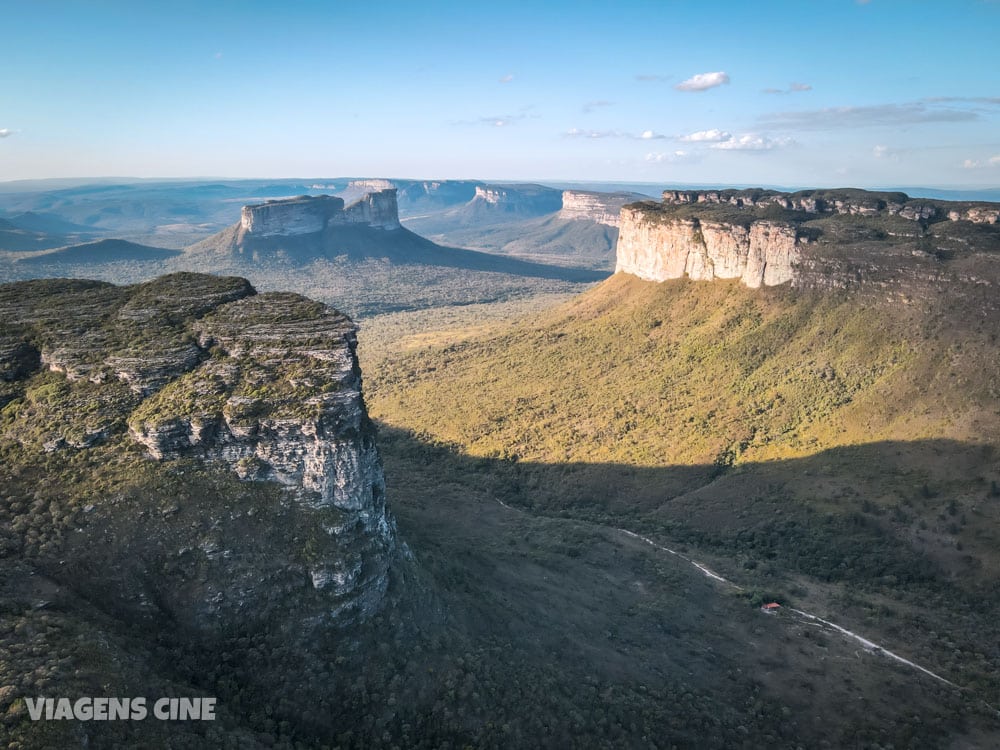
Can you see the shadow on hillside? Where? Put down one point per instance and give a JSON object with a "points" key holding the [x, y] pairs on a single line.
{"points": [[400, 247], [882, 515], [829, 533]]}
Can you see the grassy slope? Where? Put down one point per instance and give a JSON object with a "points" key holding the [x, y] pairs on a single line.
{"points": [[837, 453], [691, 373]]}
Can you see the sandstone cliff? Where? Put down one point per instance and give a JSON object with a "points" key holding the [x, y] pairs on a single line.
{"points": [[516, 200], [765, 252], [309, 214], [204, 369], [602, 208], [305, 227], [843, 201], [878, 242]]}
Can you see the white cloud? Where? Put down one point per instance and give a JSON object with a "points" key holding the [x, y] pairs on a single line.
{"points": [[591, 106], [507, 78], [672, 157], [645, 135], [707, 136], [4, 132], [752, 142], [578, 133], [993, 161], [886, 152], [703, 81], [793, 88], [878, 115]]}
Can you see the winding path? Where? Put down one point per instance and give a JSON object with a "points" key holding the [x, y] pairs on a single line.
{"points": [[868, 645]]}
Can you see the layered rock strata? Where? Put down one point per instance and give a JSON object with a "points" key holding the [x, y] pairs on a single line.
{"points": [[602, 208], [192, 366]]}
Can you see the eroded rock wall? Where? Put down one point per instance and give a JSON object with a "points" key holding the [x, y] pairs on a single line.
{"points": [[656, 249]]}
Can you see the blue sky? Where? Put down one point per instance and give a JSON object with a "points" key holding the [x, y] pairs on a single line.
{"points": [[804, 93]]}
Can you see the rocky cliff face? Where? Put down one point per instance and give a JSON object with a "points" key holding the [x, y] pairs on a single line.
{"points": [[765, 252], [826, 240], [311, 214], [306, 227], [602, 208], [844, 202], [302, 215], [197, 367], [524, 200]]}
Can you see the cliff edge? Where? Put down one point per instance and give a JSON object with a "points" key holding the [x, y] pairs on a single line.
{"points": [[843, 239], [193, 375]]}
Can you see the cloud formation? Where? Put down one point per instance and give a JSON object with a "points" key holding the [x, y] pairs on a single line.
{"points": [[4, 132], [752, 142], [832, 118], [703, 81], [707, 136], [993, 161], [793, 88], [645, 135], [578, 133], [671, 157], [507, 78]]}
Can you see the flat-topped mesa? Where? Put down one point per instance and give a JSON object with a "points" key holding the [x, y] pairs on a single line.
{"points": [[602, 208], [763, 253], [311, 214], [525, 199], [357, 189], [841, 201], [302, 215], [881, 243]]}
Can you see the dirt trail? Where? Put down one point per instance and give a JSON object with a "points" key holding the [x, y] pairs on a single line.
{"points": [[869, 646]]}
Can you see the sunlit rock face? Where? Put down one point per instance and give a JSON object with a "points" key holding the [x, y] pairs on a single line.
{"points": [[602, 208], [312, 214], [882, 244], [844, 202], [765, 253], [302, 215]]}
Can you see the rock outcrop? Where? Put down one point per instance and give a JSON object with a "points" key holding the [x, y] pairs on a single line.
{"points": [[763, 253], [307, 227], [310, 214], [518, 200], [844, 201], [880, 242], [602, 208], [267, 386]]}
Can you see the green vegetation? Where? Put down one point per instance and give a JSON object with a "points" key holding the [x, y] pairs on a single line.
{"points": [[835, 454]]}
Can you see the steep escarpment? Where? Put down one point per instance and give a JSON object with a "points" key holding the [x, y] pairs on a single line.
{"points": [[503, 202], [844, 201], [306, 227], [200, 375], [602, 208], [874, 242]]}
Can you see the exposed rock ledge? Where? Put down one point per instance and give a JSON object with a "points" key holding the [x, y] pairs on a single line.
{"points": [[309, 214], [862, 244], [765, 253], [199, 366], [602, 208]]}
